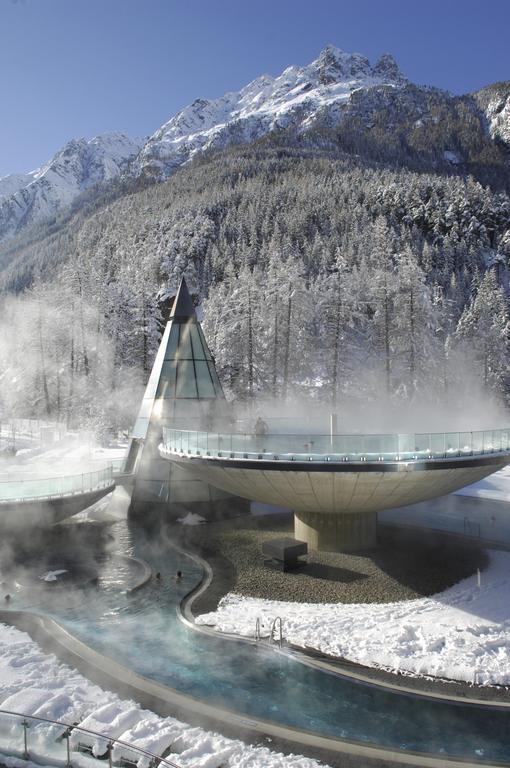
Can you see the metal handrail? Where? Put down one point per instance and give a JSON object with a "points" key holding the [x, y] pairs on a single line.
{"points": [[278, 620], [257, 629], [71, 727]]}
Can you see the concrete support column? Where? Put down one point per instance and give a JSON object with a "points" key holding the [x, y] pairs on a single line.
{"points": [[336, 533]]}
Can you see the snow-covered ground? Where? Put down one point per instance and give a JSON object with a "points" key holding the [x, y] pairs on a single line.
{"points": [[36, 683], [191, 519], [496, 487], [73, 453], [462, 633]]}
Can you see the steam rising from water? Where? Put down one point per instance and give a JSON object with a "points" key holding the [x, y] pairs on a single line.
{"points": [[73, 454], [461, 411]]}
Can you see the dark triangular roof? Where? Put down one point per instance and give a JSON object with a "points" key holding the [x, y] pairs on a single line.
{"points": [[183, 306]]}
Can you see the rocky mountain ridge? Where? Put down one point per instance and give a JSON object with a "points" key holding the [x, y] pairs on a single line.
{"points": [[296, 98], [27, 199], [494, 100], [340, 98]]}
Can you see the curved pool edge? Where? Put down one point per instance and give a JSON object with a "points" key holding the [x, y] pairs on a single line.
{"points": [[334, 665], [146, 575], [166, 701]]}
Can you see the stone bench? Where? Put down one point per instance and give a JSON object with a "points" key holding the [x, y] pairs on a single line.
{"points": [[283, 553]]}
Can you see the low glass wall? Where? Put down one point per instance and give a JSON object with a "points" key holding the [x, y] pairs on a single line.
{"points": [[42, 488], [398, 447], [50, 742], [117, 465]]}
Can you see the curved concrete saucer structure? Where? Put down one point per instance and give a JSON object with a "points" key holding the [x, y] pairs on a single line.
{"points": [[336, 484], [42, 501]]}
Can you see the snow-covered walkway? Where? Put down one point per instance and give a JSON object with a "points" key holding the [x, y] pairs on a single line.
{"points": [[462, 633], [36, 683]]}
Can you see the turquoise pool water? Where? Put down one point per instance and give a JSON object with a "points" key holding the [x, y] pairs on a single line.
{"points": [[143, 632]]}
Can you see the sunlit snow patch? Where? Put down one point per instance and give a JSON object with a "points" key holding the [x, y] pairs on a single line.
{"points": [[53, 575], [191, 519]]}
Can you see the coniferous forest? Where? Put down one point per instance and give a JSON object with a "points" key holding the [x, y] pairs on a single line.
{"points": [[316, 272]]}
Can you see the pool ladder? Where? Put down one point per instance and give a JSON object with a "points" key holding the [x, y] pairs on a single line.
{"points": [[276, 625]]}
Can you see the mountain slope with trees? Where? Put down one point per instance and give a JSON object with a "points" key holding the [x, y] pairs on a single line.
{"points": [[317, 273], [339, 101]]}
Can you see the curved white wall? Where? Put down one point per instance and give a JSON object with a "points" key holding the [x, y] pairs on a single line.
{"points": [[338, 492]]}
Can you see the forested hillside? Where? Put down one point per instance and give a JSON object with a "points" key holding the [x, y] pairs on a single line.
{"points": [[329, 275]]}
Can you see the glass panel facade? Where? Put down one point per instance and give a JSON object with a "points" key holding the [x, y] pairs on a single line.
{"points": [[188, 370], [216, 381], [184, 352], [204, 343], [186, 382], [166, 386], [173, 342], [196, 341], [183, 370], [204, 381]]}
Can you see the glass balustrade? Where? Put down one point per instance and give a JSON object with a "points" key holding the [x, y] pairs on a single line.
{"points": [[67, 485], [311, 447], [117, 464]]}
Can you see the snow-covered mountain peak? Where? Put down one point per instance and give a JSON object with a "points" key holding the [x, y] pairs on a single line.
{"points": [[334, 65], [387, 67], [77, 166], [295, 97], [104, 152], [12, 183]]}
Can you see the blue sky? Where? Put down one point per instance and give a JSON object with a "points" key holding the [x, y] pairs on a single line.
{"points": [[71, 68]]}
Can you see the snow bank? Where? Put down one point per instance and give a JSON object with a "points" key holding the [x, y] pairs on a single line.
{"points": [[53, 575], [114, 718], [192, 518], [462, 633], [37, 683]]}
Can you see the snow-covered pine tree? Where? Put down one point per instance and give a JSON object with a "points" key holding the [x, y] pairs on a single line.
{"points": [[484, 328]]}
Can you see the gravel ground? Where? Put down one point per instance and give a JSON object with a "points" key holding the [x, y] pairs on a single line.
{"points": [[406, 565], [413, 565]]}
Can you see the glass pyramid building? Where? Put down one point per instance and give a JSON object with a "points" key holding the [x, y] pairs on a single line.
{"points": [[183, 391]]}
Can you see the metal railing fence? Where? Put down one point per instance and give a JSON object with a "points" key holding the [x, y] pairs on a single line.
{"points": [[53, 742]]}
